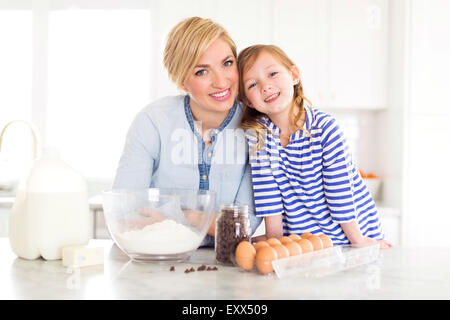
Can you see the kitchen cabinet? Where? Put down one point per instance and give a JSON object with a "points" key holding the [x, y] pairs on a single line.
{"points": [[248, 22], [340, 47], [390, 221], [4, 218], [298, 30], [100, 229]]}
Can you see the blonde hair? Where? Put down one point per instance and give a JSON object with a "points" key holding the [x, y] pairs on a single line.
{"points": [[187, 42], [250, 119]]}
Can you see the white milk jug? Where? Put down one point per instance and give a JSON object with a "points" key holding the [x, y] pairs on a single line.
{"points": [[51, 210]]}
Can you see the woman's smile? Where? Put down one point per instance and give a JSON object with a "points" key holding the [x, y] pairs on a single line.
{"points": [[221, 95]]}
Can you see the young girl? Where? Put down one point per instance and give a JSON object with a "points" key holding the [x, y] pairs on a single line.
{"points": [[304, 177]]}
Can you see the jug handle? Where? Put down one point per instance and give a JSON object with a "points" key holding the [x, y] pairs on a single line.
{"points": [[34, 132]]}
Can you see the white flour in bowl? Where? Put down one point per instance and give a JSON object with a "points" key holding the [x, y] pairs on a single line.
{"points": [[165, 237]]}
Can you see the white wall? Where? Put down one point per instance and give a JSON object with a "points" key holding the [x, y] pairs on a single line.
{"points": [[427, 215]]}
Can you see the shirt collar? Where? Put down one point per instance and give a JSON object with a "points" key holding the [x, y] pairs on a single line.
{"points": [[309, 118], [265, 120], [190, 117]]}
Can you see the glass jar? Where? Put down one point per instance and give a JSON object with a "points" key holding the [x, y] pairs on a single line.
{"points": [[232, 227]]}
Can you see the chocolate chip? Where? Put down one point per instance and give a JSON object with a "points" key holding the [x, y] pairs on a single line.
{"points": [[201, 268], [172, 268]]}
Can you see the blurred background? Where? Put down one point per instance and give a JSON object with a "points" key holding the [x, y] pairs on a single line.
{"points": [[79, 71]]}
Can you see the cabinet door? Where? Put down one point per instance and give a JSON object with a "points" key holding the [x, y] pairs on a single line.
{"points": [[4, 219], [358, 53], [298, 29], [430, 65], [247, 22]]}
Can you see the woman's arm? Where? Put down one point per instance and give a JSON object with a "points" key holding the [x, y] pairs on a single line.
{"points": [[140, 152], [196, 219], [212, 227]]}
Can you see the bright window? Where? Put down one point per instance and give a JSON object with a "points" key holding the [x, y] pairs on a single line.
{"points": [[15, 65], [99, 76], [15, 91]]}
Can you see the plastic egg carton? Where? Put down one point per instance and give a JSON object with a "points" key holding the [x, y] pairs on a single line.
{"points": [[327, 261]]}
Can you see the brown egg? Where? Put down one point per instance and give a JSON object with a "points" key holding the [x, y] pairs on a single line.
{"points": [[285, 240], [261, 244], [273, 241], [282, 251], [245, 255], [316, 242], [264, 258], [294, 248], [306, 235], [326, 241], [306, 245], [294, 237]]}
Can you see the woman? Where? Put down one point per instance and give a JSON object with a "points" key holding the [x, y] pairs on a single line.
{"points": [[190, 141]]}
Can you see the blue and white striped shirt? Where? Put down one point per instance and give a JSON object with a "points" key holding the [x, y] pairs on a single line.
{"points": [[313, 182]]}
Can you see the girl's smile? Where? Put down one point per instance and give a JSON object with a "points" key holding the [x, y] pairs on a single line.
{"points": [[272, 97]]}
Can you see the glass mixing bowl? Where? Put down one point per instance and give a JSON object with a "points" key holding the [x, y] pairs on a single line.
{"points": [[158, 224]]}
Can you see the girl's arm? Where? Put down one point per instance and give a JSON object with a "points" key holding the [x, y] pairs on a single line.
{"points": [[352, 232], [354, 235], [274, 228]]}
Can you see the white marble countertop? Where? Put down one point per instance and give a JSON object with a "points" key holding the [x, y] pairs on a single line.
{"points": [[399, 273]]}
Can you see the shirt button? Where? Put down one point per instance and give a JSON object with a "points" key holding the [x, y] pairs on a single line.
{"points": [[204, 177]]}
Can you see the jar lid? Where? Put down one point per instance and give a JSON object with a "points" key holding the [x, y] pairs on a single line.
{"points": [[236, 209]]}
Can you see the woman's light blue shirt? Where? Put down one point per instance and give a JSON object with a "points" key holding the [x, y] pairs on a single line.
{"points": [[164, 149]]}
